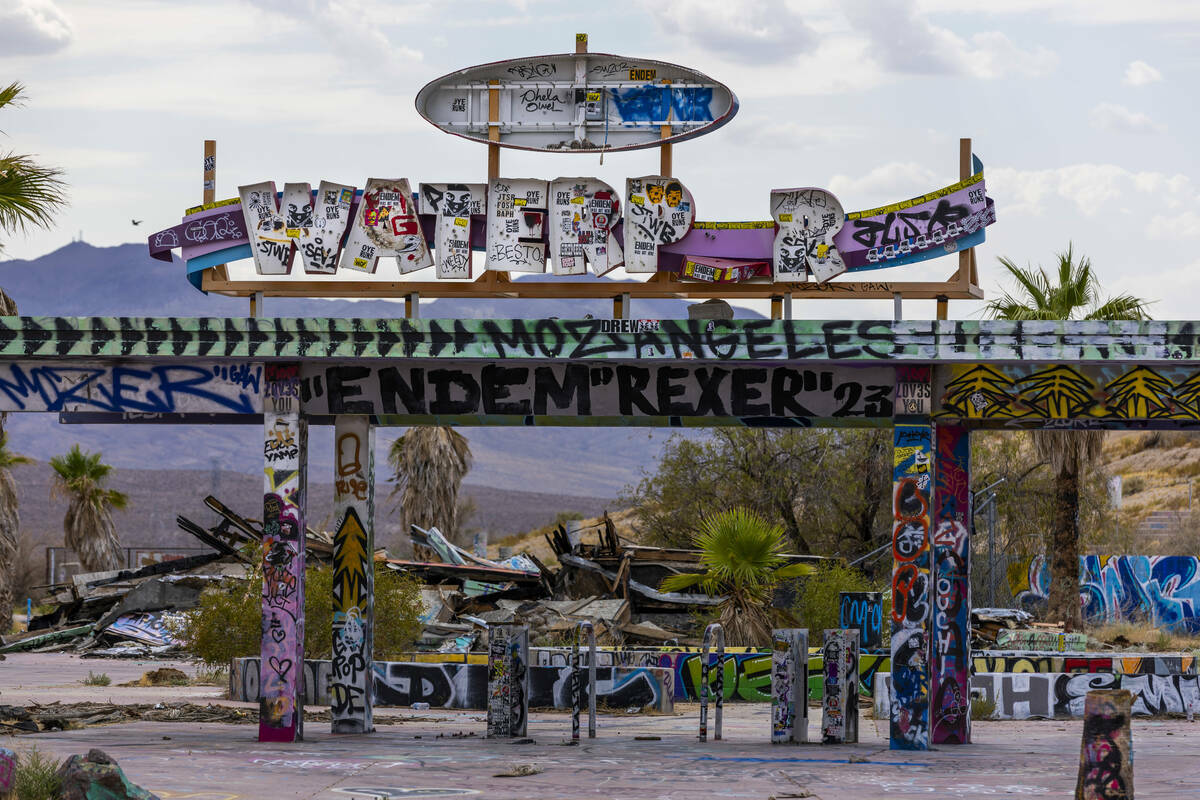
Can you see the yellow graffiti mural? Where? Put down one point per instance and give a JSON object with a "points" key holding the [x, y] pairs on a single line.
{"points": [[1059, 391]]}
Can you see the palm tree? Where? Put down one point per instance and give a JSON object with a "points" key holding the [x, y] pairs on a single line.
{"points": [[88, 525], [30, 194], [10, 524], [1074, 293], [743, 560], [429, 464]]}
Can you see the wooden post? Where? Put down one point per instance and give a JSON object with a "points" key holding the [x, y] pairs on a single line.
{"points": [[493, 131], [208, 192], [412, 305], [777, 307], [664, 150], [965, 257], [943, 306], [581, 43], [210, 170]]}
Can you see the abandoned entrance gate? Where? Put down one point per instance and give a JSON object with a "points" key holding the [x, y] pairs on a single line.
{"points": [[932, 382]]}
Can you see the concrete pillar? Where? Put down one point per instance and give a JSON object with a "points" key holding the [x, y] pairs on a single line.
{"points": [[285, 462], [1106, 755], [789, 685], [351, 674], [839, 704], [950, 712], [911, 591], [862, 611], [508, 680]]}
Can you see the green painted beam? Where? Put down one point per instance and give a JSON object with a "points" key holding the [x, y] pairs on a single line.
{"points": [[863, 341]]}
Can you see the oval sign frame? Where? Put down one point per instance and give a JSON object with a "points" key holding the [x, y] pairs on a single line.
{"points": [[539, 80]]}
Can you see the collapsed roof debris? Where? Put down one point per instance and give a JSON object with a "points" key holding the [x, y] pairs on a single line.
{"points": [[605, 580]]}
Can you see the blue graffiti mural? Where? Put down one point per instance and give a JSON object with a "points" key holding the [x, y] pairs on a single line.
{"points": [[1161, 590], [1164, 590], [651, 103], [165, 388]]}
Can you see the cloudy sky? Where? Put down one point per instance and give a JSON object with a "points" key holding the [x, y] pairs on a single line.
{"points": [[1083, 111]]}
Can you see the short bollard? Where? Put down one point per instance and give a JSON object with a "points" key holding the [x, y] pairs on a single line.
{"points": [[839, 708], [1106, 757], [508, 680], [713, 629], [576, 684], [789, 685]]}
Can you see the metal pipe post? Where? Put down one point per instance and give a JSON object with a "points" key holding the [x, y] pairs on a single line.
{"points": [[712, 630], [576, 700]]}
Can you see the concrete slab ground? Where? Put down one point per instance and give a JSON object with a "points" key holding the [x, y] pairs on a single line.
{"points": [[442, 754]]}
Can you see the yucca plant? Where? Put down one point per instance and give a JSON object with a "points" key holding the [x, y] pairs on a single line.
{"points": [[743, 561], [88, 525]]}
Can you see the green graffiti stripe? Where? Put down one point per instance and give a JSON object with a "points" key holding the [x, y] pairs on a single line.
{"points": [[592, 339]]}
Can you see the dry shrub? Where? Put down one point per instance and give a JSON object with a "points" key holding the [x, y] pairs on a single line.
{"points": [[228, 622]]}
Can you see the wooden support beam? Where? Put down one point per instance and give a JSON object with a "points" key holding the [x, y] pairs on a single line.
{"points": [[493, 131], [496, 284]]}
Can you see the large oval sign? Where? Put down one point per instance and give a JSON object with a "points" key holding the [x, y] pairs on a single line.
{"points": [[577, 103]]}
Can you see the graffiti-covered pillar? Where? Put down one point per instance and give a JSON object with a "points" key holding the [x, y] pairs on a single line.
{"points": [[950, 712], [789, 685], [285, 461], [839, 704], [508, 681], [911, 591], [353, 574]]}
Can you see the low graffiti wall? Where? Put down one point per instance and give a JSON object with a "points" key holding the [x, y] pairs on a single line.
{"points": [[1124, 663], [402, 683], [1061, 695], [747, 675]]}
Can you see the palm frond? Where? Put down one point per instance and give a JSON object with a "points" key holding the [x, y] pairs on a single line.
{"points": [[1124, 306], [11, 95], [1074, 294], [30, 193], [684, 580], [7, 457]]}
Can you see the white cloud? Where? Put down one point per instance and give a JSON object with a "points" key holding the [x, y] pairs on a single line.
{"points": [[1096, 190], [1081, 12], [905, 41], [751, 32], [1113, 117], [1139, 73], [33, 27], [888, 183], [349, 26], [1174, 227], [782, 134]]}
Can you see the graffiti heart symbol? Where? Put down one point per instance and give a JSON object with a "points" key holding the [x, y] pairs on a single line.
{"points": [[281, 666], [277, 634]]}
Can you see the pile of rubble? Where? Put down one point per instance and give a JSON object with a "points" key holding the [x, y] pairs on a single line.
{"points": [[601, 578]]}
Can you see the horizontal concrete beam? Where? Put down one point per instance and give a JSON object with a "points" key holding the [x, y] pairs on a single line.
{"points": [[865, 341]]}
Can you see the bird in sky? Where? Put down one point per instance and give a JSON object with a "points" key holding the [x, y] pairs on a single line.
{"points": [[136, 221]]}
